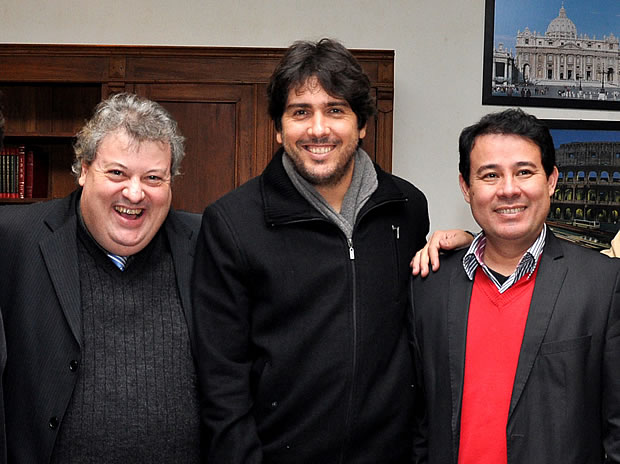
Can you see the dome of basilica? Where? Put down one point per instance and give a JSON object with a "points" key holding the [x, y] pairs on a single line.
{"points": [[562, 27]]}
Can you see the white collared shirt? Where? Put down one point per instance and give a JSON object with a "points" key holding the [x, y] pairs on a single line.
{"points": [[527, 265]]}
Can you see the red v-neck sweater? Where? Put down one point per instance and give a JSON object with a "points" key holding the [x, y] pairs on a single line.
{"points": [[495, 328]]}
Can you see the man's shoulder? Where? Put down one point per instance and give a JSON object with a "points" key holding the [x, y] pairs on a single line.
{"points": [[406, 187], [585, 260], [449, 262], [27, 216], [190, 220], [247, 193]]}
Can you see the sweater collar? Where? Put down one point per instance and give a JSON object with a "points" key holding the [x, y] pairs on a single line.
{"points": [[283, 203]]}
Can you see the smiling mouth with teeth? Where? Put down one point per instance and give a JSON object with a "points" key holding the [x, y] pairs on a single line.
{"points": [[510, 210], [137, 212], [319, 150]]}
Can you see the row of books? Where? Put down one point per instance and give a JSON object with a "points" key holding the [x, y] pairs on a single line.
{"points": [[16, 172]]}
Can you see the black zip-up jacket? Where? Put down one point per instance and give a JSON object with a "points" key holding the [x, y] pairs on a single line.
{"points": [[301, 345]]}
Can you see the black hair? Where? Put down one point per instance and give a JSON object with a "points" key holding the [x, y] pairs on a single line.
{"points": [[336, 69], [512, 121]]}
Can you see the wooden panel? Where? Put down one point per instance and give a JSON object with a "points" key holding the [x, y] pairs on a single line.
{"points": [[266, 143], [385, 123], [62, 182], [27, 109], [48, 110], [71, 106], [217, 123], [197, 69], [52, 68]]}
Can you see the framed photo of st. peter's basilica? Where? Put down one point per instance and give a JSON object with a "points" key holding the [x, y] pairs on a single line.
{"points": [[553, 53]]}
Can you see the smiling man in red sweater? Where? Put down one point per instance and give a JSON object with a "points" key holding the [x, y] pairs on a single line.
{"points": [[517, 338]]}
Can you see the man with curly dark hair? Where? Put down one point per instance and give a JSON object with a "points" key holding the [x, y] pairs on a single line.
{"points": [[300, 284]]}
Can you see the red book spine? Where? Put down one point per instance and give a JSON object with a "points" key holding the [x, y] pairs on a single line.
{"points": [[29, 173], [4, 172], [13, 173], [21, 172]]}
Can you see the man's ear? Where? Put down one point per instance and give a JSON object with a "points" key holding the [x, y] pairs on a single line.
{"points": [[464, 188], [83, 172], [552, 180], [279, 137]]}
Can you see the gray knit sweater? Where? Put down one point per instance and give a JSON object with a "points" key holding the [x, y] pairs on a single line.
{"points": [[136, 397]]}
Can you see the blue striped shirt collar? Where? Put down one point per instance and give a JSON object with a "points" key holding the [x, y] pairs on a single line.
{"points": [[527, 265]]}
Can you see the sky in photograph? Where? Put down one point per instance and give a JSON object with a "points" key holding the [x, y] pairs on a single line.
{"points": [[591, 17], [561, 136]]}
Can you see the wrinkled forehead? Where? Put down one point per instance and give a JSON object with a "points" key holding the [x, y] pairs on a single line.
{"points": [[123, 140]]}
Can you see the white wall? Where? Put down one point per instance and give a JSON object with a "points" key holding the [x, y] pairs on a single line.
{"points": [[438, 46]]}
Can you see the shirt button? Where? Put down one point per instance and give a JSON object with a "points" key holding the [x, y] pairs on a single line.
{"points": [[53, 423], [73, 365], [274, 404]]}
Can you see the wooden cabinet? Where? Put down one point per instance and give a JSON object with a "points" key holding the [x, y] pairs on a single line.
{"points": [[217, 95]]}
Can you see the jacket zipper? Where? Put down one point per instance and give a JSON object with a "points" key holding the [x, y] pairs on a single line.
{"points": [[347, 424], [347, 434], [351, 249]]}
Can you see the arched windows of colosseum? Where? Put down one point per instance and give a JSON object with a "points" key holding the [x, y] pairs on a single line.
{"points": [[592, 195], [603, 196], [579, 194]]}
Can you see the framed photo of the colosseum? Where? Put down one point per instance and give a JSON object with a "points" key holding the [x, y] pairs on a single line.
{"points": [[585, 207], [552, 53]]}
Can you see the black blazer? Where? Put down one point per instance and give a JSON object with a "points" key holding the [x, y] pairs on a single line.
{"points": [[40, 303], [565, 404]]}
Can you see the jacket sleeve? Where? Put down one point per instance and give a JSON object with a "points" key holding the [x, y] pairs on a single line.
{"points": [[223, 352], [611, 379]]}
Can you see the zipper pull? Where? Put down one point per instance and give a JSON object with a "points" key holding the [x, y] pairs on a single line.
{"points": [[351, 250], [397, 230]]}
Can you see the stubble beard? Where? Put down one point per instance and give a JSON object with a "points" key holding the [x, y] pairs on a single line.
{"points": [[318, 177]]}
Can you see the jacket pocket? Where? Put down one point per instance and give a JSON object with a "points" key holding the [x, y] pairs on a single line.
{"points": [[561, 346], [397, 264]]}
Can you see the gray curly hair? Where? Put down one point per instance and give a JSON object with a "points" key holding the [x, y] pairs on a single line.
{"points": [[141, 119]]}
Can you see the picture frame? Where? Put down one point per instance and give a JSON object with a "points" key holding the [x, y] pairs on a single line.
{"points": [[585, 207], [562, 54]]}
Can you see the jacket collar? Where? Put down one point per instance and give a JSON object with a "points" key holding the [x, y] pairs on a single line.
{"points": [[283, 203], [59, 251]]}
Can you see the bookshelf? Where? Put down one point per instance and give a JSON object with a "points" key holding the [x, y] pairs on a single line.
{"points": [[44, 119], [217, 95]]}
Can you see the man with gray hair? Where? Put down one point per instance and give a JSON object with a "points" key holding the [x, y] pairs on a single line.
{"points": [[95, 302]]}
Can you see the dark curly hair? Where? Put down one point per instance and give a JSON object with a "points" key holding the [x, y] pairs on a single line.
{"points": [[336, 69]]}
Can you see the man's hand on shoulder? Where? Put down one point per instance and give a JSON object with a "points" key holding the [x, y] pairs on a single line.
{"points": [[440, 240]]}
